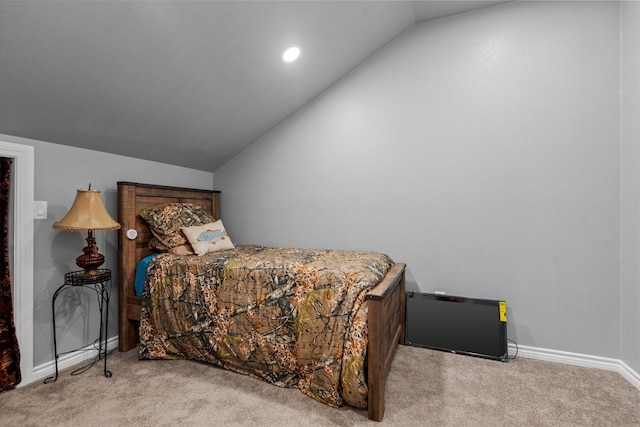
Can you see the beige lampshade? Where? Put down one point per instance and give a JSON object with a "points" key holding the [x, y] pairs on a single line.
{"points": [[87, 213]]}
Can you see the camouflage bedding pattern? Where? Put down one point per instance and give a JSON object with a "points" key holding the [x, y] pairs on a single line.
{"points": [[292, 317]]}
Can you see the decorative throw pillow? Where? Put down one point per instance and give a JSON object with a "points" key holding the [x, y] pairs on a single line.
{"points": [[157, 245], [206, 238], [165, 222]]}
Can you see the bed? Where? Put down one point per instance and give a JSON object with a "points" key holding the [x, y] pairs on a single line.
{"points": [[384, 301]]}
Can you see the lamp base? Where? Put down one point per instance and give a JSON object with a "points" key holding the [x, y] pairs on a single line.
{"points": [[90, 260]]}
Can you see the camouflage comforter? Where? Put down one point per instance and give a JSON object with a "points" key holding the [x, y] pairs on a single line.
{"points": [[292, 317]]}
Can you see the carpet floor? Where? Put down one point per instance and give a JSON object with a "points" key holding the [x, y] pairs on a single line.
{"points": [[424, 388]]}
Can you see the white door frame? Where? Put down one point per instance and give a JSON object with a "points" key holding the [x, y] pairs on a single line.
{"points": [[23, 264]]}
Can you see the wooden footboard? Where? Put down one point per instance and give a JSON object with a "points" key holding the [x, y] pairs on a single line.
{"points": [[386, 330]]}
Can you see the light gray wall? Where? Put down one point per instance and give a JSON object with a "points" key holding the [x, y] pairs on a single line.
{"points": [[482, 150], [60, 171], [630, 185]]}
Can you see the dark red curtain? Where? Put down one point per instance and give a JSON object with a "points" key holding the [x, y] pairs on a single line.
{"points": [[9, 352]]}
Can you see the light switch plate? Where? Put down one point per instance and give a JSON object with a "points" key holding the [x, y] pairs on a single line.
{"points": [[40, 209]]}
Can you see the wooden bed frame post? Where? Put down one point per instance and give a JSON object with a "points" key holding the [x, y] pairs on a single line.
{"points": [[386, 322], [127, 330]]}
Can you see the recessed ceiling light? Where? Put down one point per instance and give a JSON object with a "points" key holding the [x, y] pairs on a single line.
{"points": [[291, 54]]}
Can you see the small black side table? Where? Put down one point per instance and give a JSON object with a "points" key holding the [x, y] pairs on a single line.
{"points": [[100, 282]]}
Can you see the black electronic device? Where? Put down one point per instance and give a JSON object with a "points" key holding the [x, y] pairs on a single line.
{"points": [[471, 326]]}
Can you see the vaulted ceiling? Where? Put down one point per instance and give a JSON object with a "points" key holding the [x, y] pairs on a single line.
{"points": [[190, 83]]}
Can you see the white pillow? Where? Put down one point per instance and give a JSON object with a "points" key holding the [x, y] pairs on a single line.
{"points": [[206, 238]]}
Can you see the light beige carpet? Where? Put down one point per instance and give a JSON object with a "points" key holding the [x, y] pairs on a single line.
{"points": [[424, 388]]}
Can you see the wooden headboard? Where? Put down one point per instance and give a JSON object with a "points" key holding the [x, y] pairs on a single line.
{"points": [[132, 198]]}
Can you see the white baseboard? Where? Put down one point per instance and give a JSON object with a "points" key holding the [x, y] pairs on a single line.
{"points": [[578, 359], [630, 375], [48, 369]]}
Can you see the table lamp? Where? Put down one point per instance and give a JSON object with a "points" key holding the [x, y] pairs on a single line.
{"points": [[88, 213]]}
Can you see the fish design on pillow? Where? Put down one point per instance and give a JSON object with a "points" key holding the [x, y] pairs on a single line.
{"points": [[211, 235]]}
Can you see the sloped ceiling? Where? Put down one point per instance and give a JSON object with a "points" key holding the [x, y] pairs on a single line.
{"points": [[190, 83]]}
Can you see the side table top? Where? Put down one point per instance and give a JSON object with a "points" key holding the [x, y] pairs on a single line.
{"points": [[82, 277]]}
